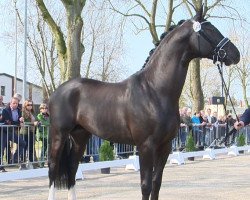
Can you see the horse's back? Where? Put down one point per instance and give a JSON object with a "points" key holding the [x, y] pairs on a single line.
{"points": [[98, 107]]}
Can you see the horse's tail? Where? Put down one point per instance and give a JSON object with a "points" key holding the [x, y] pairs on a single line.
{"points": [[63, 177]]}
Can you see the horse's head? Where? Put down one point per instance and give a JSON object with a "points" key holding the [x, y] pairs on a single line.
{"points": [[207, 41]]}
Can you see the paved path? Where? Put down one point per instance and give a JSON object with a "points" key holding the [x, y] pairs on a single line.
{"points": [[226, 178]]}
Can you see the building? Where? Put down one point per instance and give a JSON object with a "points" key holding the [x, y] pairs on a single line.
{"points": [[7, 89]]}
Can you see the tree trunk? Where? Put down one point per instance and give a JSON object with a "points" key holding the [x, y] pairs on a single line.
{"points": [[245, 97], [75, 48], [70, 54], [197, 93]]}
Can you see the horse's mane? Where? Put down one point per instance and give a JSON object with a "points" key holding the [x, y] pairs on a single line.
{"points": [[163, 35]]}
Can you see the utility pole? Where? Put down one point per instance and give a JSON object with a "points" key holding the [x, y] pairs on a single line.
{"points": [[15, 78], [25, 53]]}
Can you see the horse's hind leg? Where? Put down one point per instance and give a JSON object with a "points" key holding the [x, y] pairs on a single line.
{"points": [[160, 160], [80, 138], [56, 144]]}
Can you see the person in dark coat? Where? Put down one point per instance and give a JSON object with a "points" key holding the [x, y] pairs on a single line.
{"points": [[11, 115], [244, 120]]}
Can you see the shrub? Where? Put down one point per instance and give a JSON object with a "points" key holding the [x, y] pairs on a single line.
{"points": [[241, 140], [106, 151], [190, 146]]}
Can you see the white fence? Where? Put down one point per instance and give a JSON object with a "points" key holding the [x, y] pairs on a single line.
{"points": [[126, 152], [132, 162]]}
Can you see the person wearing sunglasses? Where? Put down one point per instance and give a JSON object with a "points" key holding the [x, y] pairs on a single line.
{"points": [[28, 131]]}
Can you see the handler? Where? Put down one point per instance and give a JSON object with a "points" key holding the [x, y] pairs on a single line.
{"points": [[244, 120]]}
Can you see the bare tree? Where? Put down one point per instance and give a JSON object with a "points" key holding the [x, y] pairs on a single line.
{"points": [[146, 19], [242, 69], [69, 45], [146, 14], [104, 37], [42, 46]]}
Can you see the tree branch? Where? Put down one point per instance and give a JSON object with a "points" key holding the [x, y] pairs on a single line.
{"points": [[56, 31], [129, 15]]}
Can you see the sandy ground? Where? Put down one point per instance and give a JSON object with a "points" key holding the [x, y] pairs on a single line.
{"points": [[226, 178]]}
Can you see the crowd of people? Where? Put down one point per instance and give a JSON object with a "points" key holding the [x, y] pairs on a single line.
{"points": [[205, 127], [28, 128]]}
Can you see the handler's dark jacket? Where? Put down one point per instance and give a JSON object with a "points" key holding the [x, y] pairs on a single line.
{"points": [[246, 116]]}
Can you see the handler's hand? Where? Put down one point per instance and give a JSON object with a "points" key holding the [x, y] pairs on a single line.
{"points": [[239, 125]]}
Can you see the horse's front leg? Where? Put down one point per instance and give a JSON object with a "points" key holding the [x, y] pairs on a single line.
{"points": [[161, 156], [146, 168]]}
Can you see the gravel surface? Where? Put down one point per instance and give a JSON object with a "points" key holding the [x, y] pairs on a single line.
{"points": [[226, 178]]}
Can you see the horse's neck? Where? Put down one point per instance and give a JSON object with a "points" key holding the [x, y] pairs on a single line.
{"points": [[167, 69]]}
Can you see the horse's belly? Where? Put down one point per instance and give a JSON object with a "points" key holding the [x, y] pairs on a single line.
{"points": [[120, 136]]}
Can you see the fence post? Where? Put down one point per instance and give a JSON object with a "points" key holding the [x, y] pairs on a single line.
{"points": [[177, 158], [209, 154], [233, 151], [136, 165]]}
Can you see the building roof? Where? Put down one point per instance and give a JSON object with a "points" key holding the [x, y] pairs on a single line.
{"points": [[18, 79]]}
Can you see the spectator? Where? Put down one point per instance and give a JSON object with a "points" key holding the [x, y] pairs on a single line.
{"points": [[202, 113], [2, 106], [230, 120], [184, 126], [188, 119], [11, 146], [42, 131], [221, 127], [11, 115], [210, 128], [19, 97], [205, 130], [176, 140], [28, 130], [196, 128], [214, 118], [8, 153]]}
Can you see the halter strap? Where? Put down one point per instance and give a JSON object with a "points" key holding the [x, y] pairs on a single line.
{"points": [[219, 53]]}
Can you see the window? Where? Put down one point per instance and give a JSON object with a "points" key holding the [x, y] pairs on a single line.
{"points": [[3, 90]]}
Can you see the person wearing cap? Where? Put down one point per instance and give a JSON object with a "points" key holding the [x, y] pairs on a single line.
{"points": [[42, 131], [244, 120]]}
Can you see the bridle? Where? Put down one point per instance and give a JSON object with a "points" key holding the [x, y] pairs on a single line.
{"points": [[218, 53], [218, 56]]}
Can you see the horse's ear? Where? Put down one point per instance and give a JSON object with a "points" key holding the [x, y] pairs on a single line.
{"points": [[199, 14]]}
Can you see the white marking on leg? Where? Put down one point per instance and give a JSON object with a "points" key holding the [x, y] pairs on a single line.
{"points": [[72, 193], [52, 191]]}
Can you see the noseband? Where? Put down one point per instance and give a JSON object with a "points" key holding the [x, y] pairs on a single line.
{"points": [[218, 53]]}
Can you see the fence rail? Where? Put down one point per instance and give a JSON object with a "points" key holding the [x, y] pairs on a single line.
{"points": [[28, 144]]}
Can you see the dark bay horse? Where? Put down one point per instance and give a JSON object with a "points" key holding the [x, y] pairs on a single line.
{"points": [[141, 110]]}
